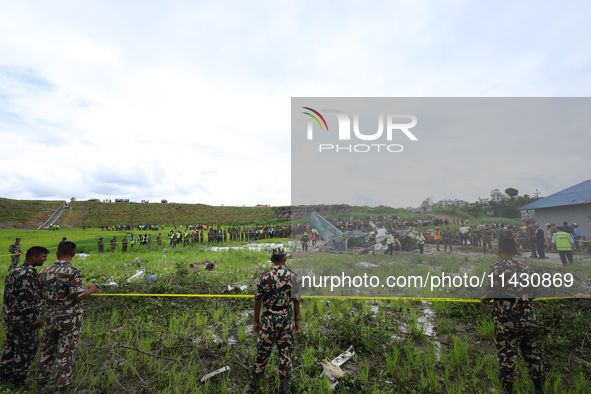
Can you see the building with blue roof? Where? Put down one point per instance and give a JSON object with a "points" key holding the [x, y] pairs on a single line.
{"points": [[572, 205]]}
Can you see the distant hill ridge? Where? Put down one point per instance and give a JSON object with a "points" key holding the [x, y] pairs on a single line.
{"points": [[31, 213]]}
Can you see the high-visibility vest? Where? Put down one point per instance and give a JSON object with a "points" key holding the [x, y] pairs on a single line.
{"points": [[420, 239], [437, 235], [390, 240], [562, 240]]}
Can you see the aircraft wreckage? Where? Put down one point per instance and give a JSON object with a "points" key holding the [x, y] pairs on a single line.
{"points": [[337, 241]]}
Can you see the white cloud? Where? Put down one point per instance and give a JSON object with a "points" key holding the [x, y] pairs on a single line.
{"points": [[190, 101]]}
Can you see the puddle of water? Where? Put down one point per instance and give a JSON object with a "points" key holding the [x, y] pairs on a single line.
{"points": [[429, 326], [426, 319], [255, 247], [374, 310]]}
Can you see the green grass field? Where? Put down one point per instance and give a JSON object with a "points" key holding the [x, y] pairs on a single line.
{"points": [[158, 344]]}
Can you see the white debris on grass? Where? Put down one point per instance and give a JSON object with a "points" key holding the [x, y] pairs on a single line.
{"points": [[216, 372], [344, 357], [138, 275], [367, 265]]}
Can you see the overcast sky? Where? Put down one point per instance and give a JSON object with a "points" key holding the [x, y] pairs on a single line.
{"points": [[190, 101]]}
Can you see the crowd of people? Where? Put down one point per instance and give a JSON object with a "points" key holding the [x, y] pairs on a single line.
{"points": [[198, 234], [529, 237]]}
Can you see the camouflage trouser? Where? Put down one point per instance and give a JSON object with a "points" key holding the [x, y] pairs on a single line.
{"points": [[533, 248], [517, 334], [265, 344], [487, 242], [101, 248], [60, 342], [14, 260], [20, 349], [123, 248], [447, 242], [112, 248]]}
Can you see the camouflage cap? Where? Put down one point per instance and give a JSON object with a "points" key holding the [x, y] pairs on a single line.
{"points": [[278, 252]]}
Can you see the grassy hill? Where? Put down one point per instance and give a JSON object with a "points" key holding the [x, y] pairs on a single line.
{"points": [[30, 214], [96, 214], [26, 213]]}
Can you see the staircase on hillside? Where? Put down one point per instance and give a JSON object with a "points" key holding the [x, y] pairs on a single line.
{"points": [[53, 218]]}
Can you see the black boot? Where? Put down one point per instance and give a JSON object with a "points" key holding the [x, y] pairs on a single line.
{"points": [[19, 383], [538, 387], [506, 387], [284, 386], [254, 385]]}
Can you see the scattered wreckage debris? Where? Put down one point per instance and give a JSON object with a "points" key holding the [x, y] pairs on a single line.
{"points": [[138, 275], [337, 241], [332, 369], [207, 265], [234, 289], [214, 373]]}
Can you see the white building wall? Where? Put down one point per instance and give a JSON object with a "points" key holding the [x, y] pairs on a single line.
{"points": [[569, 213]]}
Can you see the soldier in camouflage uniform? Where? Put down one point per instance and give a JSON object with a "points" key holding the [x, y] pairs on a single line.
{"points": [[275, 292], [447, 238], [22, 315], [531, 240], [101, 245], [15, 250], [61, 289], [504, 233], [124, 243], [516, 326], [113, 244], [473, 240], [486, 238]]}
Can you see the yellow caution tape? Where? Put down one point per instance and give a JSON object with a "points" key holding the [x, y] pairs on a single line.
{"points": [[315, 297]]}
